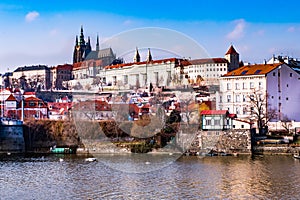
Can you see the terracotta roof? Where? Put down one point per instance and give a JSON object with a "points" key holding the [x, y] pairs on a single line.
{"points": [[231, 50], [260, 69], [11, 98], [208, 60], [214, 112]]}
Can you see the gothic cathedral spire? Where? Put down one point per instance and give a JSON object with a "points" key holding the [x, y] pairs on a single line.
{"points": [[97, 44]]}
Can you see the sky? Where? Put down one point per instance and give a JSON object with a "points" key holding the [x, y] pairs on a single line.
{"points": [[43, 32]]}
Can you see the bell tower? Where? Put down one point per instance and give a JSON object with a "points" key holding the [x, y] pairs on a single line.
{"points": [[232, 56]]}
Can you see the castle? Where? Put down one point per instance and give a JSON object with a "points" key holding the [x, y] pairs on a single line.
{"points": [[83, 51]]}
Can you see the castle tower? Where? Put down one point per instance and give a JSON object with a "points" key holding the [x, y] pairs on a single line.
{"points": [[232, 56], [137, 57]]}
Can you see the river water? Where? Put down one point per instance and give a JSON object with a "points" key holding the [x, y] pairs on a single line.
{"points": [[144, 176]]}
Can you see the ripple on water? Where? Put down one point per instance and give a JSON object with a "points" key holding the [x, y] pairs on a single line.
{"points": [[243, 177]]}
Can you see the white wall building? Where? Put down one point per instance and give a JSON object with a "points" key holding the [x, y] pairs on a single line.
{"points": [[274, 83], [141, 74]]}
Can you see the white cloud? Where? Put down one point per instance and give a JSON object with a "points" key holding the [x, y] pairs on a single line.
{"points": [[53, 32], [31, 16], [128, 22], [238, 31], [291, 29]]}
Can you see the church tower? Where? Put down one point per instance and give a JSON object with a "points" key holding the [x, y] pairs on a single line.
{"points": [[232, 56], [137, 57], [81, 49]]}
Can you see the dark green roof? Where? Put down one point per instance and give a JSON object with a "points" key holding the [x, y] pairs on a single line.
{"points": [[31, 68]]}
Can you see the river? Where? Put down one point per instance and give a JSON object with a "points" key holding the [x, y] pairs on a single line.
{"points": [[144, 176]]}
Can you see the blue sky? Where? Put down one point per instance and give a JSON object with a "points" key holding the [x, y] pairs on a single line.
{"points": [[43, 32]]}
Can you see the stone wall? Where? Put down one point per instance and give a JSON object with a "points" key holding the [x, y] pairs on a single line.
{"points": [[230, 141], [11, 139]]}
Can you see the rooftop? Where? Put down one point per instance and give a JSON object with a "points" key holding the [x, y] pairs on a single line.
{"points": [[258, 69]]}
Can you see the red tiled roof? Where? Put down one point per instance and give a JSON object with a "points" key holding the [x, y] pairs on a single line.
{"points": [[260, 69], [208, 60], [214, 112], [11, 98], [231, 50]]}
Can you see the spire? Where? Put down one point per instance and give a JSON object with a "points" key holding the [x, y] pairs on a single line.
{"points": [[137, 57], [97, 44], [81, 39], [76, 41], [149, 56]]}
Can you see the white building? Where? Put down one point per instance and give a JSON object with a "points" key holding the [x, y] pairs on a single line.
{"points": [[211, 69], [140, 74], [274, 84]]}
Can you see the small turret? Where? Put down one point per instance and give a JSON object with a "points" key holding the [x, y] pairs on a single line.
{"points": [[137, 57], [149, 56]]}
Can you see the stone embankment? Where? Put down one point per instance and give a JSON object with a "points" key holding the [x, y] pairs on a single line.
{"points": [[229, 142]]}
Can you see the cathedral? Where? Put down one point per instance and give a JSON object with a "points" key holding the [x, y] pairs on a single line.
{"points": [[83, 51]]}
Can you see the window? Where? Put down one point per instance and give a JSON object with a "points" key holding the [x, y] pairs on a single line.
{"points": [[217, 122], [237, 110], [244, 111], [244, 98], [220, 99], [287, 85], [125, 79], [244, 85], [237, 97], [287, 98], [291, 74], [251, 85], [274, 74], [228, 98], [208, 122], [242, 126], [260, 85], [251, 97], [278, 74], [228, 86], [237, 86]]}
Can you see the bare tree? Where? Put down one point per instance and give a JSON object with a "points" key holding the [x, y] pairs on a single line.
{"points": [[260, 111]]}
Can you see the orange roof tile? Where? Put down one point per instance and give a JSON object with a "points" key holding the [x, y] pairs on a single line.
{"points": [[258, 69]]}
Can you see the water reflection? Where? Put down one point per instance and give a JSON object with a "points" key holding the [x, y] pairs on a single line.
{"points": [[242, 177]]}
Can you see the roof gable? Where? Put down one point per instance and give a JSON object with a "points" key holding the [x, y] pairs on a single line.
{"points": [[231, 50], [11, 98]]}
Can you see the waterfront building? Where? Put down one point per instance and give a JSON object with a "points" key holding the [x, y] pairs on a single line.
{"points": [[272, 85]]}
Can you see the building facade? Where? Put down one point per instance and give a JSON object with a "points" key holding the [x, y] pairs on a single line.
{"points": [[271, 85], [32, 77], [59, 74]]}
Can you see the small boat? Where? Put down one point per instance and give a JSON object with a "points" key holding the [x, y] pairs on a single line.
{"points": [[90, 159], [297, 156]]}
